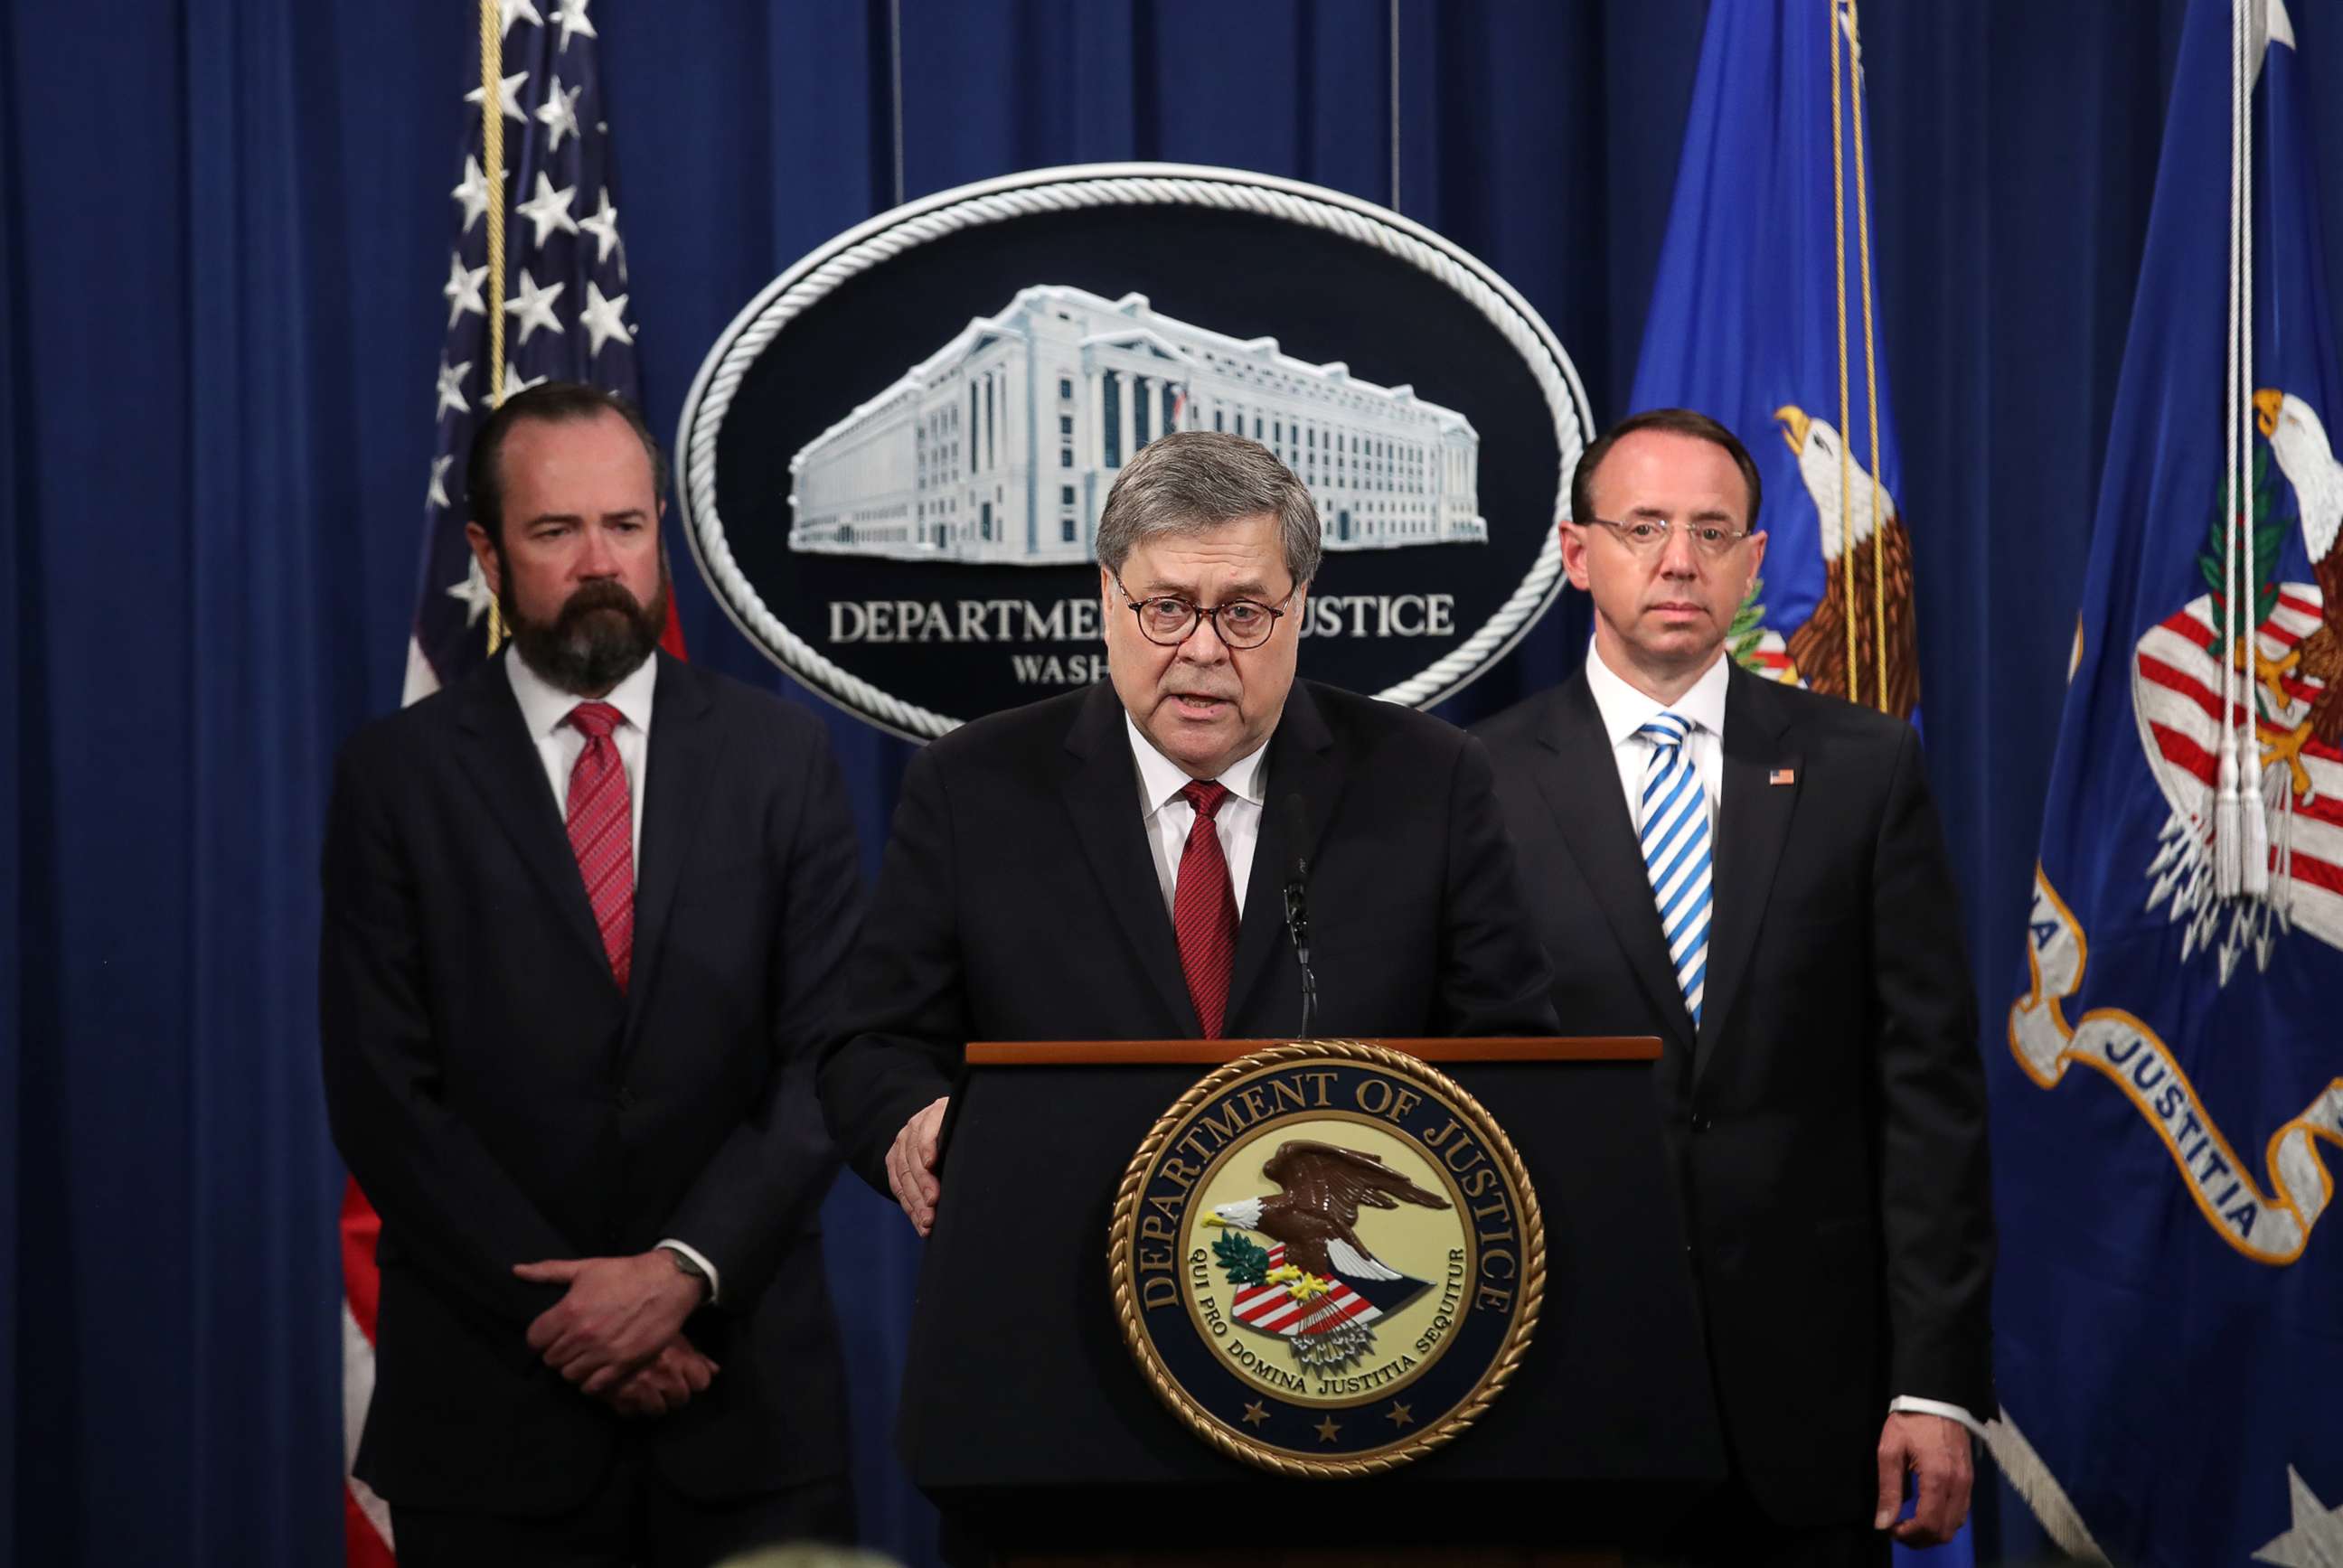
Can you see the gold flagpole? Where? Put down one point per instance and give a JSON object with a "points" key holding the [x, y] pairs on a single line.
{"points": [[492, 160], [1839, 233], [1870, 370]]}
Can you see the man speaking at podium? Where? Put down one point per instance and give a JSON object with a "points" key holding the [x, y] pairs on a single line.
{"points": [[1118, 863], [1818, 1080]]}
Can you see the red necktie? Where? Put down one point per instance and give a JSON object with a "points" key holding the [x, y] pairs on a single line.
{"points": [[1205, 910], [602, 832]]}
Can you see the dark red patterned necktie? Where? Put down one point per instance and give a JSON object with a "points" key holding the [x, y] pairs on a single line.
{"points": [[602, 832], [1205, 910]]}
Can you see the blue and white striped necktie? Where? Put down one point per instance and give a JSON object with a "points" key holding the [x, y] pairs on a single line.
{"points": [[1674, 829]]}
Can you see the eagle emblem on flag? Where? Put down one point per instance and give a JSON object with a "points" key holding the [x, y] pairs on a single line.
{"points": [[2283, 650]]}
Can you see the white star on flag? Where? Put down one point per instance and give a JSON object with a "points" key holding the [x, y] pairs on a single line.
{"points": [[534, 306], [438, 494], [604, 318], [2316, 1538], [511, 11], [559, 114], [473, 194], [507, 96], [463, 290], [451, 388], [473, 593], [549, 209], [516, 382], [570, 15], [602, 223]]}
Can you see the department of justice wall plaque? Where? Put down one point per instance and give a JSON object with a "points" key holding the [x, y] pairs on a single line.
{"points": [[892, 463], [1327, 1259]]}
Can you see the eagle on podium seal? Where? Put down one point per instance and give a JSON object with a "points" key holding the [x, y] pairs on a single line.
{"points": [[1327, 1258]]}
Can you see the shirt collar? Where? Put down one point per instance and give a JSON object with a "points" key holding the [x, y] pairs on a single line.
{"points": [[1625, 709], [545, 706], [1161, 779]]}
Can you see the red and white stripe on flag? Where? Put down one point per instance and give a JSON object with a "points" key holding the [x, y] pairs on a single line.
{"points": [[365, 1518], [1273, 1309]]}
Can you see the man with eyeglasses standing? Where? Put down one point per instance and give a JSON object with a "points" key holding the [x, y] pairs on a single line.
{"points": [[1110, 864], [1755, 873]]}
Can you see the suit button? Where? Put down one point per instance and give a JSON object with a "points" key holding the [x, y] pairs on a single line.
{"points": [[626, 1098], [1700, 1121]]}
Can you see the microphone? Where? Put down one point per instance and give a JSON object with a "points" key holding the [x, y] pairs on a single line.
{"points": [[1297, 905]]}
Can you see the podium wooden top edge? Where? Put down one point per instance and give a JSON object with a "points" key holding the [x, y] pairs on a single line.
{"points": [[1214, 1053]]}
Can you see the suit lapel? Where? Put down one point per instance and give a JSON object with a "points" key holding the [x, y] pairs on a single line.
{"points": [[1576, 775], [1752, 820], [1302, 760], [503, 764], [684, 746], [1100, 787]]}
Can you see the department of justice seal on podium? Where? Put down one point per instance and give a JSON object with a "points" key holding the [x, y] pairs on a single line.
{"points": [[1327, 1259]]}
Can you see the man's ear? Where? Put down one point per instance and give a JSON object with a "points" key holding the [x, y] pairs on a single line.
{"points": [[484, 551], [1574, 555]]}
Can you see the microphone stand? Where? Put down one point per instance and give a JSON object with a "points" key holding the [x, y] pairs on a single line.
{"points": [[1297, 907], [1297, 926]]}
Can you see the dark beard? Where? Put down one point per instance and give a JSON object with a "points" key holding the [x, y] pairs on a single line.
{"points": [[600, 637]]}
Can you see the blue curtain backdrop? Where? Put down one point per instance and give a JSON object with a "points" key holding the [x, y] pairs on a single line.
{"points": [[223, 228]]}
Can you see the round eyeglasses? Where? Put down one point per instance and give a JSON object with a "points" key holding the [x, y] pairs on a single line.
{"points": [[1649, 536], [1169, 621]]}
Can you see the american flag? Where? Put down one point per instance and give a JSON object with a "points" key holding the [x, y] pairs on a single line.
{"points": [[565, 294], [563, 306]]}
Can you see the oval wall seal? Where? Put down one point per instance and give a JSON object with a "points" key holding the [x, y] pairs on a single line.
{"points": [[892, 462], [1327, 1259]]}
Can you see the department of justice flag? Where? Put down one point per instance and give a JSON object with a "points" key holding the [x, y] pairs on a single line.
{"points": [[1764, 316], [2169, 1298]]}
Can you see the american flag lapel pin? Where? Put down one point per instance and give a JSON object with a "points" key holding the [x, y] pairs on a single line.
{"points": [[1783, 775]]}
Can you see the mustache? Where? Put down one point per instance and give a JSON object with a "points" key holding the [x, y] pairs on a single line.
{"points": [[606, 594]]}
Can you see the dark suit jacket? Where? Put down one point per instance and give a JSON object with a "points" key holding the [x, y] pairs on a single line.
{"points": [[500, 1100], [1018, 901], [1826, 1127]]}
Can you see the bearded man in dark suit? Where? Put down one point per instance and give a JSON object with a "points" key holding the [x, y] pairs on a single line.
{"points": [[1755, 873], [1110, 864], [583, 911]]}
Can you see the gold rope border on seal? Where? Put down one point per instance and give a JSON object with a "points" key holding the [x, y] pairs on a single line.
{"points": [[1201, 1421]]}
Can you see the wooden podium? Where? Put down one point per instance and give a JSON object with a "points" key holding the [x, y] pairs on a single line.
{"points": [[1025, 1419]]}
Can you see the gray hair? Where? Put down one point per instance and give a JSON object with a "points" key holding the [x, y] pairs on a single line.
{"points": [[808, 1554], [1191, 481]]}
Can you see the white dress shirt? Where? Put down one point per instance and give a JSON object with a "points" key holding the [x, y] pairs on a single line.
{"points": [[545, 708], [1169, 816], [1624, 710]]}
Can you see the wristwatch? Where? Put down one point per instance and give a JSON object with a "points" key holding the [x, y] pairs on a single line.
{"points": [[687, 1265]]}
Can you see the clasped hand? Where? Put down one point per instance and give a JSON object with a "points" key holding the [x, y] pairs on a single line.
{"points": [[617, 1331]]}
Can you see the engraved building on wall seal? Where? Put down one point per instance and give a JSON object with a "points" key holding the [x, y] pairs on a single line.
{"points": [[998, 449]]}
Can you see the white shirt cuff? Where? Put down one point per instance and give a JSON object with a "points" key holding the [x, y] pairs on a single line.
{"points": [[1906, 1404], [697, 1256]]}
